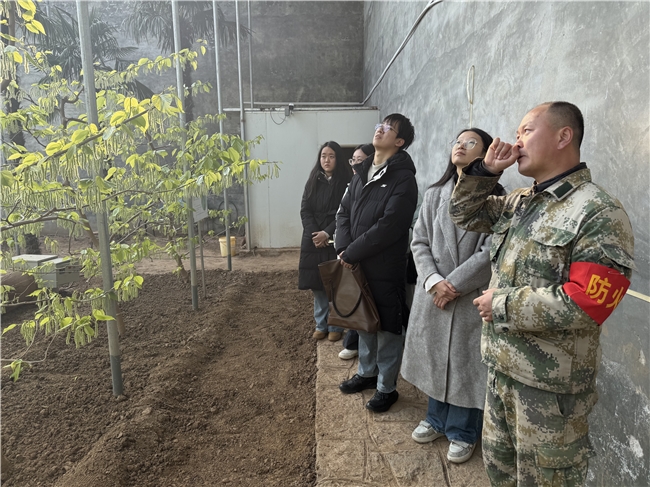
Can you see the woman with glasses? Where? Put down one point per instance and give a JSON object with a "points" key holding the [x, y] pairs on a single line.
{"points": [[442, 354], [360, 154], [325, 187], [351, 339]]}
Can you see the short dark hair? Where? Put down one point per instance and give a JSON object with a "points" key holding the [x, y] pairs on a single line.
{"points": [[406, 131], [565, 114], [367, 149]]}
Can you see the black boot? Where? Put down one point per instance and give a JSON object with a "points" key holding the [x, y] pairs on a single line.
{"points": [[357, 384], [382, 401]]}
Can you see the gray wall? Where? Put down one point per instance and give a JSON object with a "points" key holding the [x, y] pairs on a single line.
{"points": [[308, 51], [594, 54]]}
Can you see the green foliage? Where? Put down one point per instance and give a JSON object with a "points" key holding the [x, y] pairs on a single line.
{"points": [[16, 367], [138, 163], [153, 20], [62, 47]]}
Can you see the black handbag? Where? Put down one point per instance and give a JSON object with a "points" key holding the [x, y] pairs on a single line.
{"points": [[351, 303]]}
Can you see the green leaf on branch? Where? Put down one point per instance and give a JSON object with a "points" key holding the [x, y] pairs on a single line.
{"points": [[16, 366], [99, 315], [27, 5], [18, 59], [131, 104], [54, 147], [102, 185], [70, 153], [6, 178], [109, 133], [142, 122], [9, 328], [14, 217], [234, 155], [132, 159], [79, 136], [117, 118], [84, 184]]}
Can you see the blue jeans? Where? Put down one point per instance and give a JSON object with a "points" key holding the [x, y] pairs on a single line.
{"points": [[457, 423], [380, 354], [321, 312]]}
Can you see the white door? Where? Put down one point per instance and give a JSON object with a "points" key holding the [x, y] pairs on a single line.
{"points": [[294, 141]]}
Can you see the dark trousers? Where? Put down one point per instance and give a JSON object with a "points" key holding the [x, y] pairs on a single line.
{"points": [[351, 340]]}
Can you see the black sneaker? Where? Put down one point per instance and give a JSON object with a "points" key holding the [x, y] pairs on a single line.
{"points": [[382, 401], [357, 384]]}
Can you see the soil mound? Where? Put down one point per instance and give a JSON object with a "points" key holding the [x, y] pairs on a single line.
{"points": [[220, 396]]}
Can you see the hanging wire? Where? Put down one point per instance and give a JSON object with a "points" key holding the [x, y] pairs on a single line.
{"points": [[430, 5], [470, 94], [273, 119]]}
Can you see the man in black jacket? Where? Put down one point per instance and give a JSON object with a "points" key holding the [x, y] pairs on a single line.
{"points": [[372, 229]]}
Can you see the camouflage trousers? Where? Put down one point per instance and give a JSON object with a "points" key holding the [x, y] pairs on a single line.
{"points": [[533, 437]]}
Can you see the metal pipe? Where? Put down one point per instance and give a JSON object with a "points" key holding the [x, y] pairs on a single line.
{"points": [[429, 6], [309, 103], [324, 109], [181, 117], [242, 120], [102, 218], [201, 254], [219, 110], [250, 52]]}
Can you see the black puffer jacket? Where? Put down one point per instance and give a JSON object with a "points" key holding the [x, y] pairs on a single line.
{"points": [[372, 227], [318, 212]]}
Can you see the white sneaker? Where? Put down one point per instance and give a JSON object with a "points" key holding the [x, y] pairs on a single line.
{"points": [[346, 354], [459, 451], [425, 433]]}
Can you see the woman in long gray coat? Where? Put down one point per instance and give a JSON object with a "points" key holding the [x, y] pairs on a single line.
{"points": [[442, 354]]}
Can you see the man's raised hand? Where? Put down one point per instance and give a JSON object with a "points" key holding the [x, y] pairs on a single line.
{"points": [[500, 156]]}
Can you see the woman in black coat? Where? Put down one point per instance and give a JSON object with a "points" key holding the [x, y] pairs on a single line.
{"points": [[351, 339], [325, 187]]}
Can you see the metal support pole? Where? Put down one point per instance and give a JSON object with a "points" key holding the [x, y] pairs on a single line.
{"points": [[202, 261], [242, 120], [102, 219], [215, 18], [250, 53], [181, 116]]}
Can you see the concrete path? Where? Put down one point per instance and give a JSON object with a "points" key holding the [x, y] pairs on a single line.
{"points": [[358, 448]]}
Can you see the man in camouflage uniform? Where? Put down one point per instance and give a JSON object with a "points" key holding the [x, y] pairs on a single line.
{"points": [[561, 262]]}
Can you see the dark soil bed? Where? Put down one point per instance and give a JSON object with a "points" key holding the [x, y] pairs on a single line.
{"points": [[220, 396]]}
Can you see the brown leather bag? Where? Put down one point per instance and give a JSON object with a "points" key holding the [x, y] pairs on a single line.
{"points": [[351, 303]]}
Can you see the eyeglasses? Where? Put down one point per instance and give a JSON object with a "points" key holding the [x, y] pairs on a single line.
{"points": [[357, 160], [468, 144], [385, 127]]}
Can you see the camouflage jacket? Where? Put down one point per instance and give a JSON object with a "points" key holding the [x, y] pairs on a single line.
{"points": [[539, 335]]}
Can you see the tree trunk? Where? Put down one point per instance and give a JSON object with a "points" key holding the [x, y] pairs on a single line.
{"points": [[9, 28], [119, 318]]}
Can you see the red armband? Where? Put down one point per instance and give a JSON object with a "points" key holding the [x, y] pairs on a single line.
{"points": [[596, 288]]}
